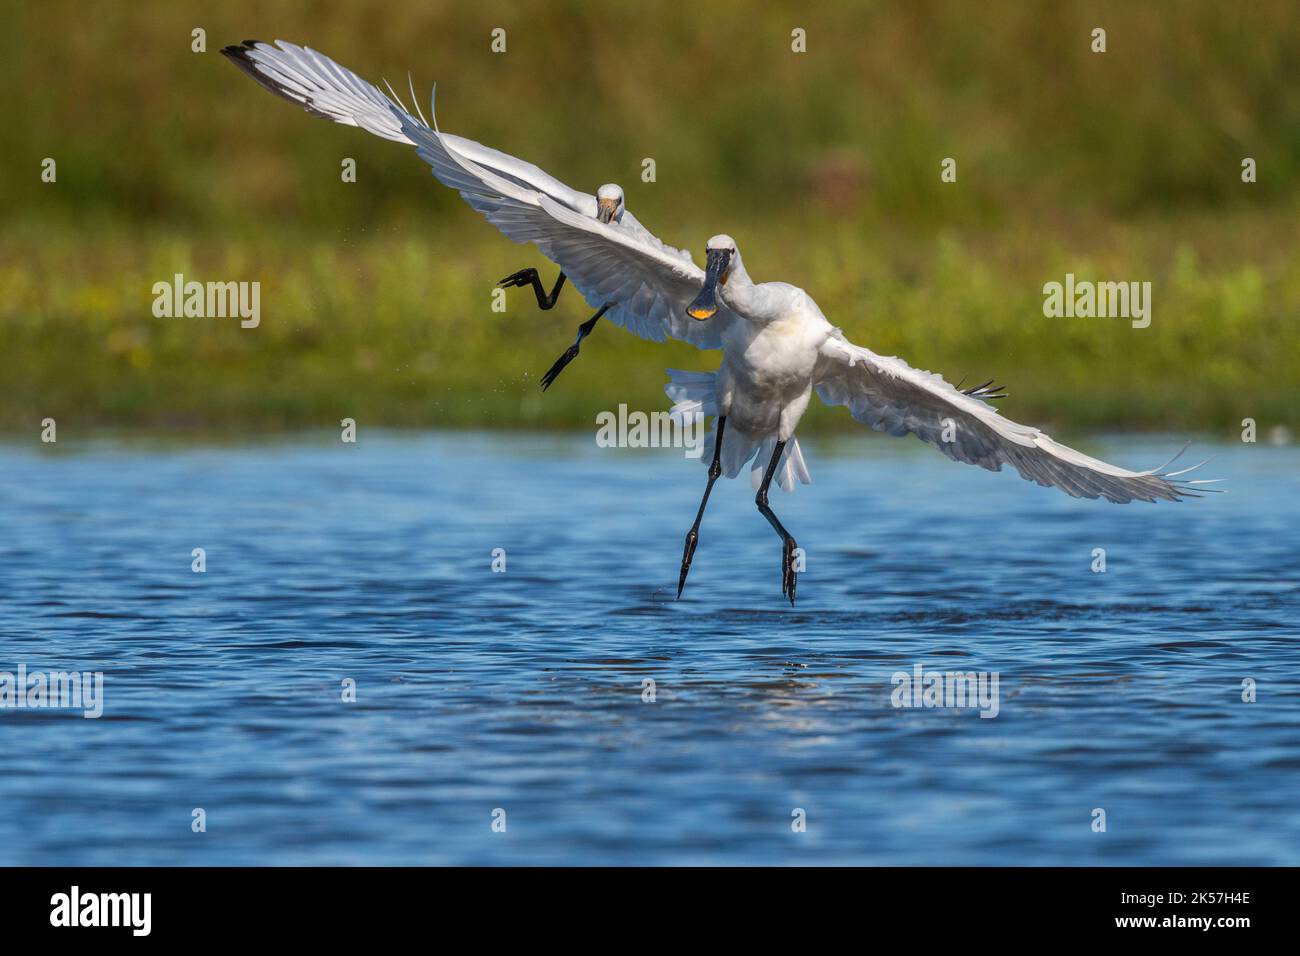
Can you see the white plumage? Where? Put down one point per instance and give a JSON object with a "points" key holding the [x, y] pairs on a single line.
{"points": [[891, 396]]}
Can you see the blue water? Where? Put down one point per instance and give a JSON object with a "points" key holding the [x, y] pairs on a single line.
{"points": [[522, 691]]}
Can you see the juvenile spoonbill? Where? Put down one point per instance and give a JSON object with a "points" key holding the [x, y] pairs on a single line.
{"points": [[323, 88]]}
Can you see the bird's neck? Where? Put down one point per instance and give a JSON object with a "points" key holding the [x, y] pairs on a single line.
{"points": [[739, 291]]}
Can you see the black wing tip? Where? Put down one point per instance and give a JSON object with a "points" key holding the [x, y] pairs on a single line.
{"points": [[1181, 487], [237, 53], [242, 49], [986, 391]]}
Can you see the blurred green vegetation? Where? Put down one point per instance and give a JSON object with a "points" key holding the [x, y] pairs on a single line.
{"points": [[375, 296]]}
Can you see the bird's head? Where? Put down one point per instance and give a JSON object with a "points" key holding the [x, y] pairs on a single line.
{"points": [[721, 259], [609, 202]]}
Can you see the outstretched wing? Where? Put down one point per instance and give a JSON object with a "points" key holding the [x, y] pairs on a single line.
{"points": [[323, 88], [646, 285], [326, 89], [891, 396]]}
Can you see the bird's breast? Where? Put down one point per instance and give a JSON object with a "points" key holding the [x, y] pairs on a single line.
{"points": [[774, 360]]}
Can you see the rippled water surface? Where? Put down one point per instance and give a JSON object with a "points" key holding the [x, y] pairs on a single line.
{"points": [[523, 691]]}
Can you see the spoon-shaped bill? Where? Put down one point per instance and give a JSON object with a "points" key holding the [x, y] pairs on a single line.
{"points": [[706, 303]]}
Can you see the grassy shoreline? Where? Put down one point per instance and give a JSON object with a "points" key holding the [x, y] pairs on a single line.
{"points": [[825, 165], [397, 328]]}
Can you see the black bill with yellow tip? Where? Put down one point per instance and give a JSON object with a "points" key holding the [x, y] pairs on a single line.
{"points": [[706, 303]]}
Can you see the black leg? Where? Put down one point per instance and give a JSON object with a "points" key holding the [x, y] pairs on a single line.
{"points": [[572, 351], [530, 277], [788, 572], [693, 536]]}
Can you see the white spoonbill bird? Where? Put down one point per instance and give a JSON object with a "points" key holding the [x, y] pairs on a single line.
{"points": [[326, 89], [778, 349]]}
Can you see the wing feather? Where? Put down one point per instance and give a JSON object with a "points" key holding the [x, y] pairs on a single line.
{"points": [[649, 303], [326, 89], [890, 396], [646, 285]]}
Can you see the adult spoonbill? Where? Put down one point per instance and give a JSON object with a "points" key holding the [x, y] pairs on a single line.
{"points": [[324, 88], [777, 346]]}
